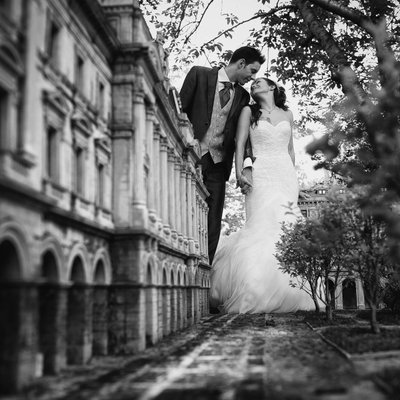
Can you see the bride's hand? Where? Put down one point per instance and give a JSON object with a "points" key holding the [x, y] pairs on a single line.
{"points": [[244, 180], [247, 176]]}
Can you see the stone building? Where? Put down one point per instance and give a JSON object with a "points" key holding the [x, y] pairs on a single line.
{"points": [[349, 292], [102, 210]]}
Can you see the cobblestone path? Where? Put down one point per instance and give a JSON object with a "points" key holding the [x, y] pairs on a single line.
{"points": [[225, 357]]}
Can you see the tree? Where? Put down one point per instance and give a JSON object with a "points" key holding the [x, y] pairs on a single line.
{"points": [[313, 251], [298, 255], [368, 253]]}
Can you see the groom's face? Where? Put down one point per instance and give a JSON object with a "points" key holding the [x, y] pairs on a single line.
{"points": [[247, 72]]}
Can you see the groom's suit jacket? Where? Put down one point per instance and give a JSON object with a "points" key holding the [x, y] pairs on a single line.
{"points": [[197, 96]]}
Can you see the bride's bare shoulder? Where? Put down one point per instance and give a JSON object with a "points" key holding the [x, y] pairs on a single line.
{"points": [[289, 116]]}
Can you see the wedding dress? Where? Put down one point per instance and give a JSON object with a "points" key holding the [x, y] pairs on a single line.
{"points": [[245, 274]]}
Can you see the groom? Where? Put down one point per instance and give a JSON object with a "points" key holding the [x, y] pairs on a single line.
{"points": [[213, 98]]}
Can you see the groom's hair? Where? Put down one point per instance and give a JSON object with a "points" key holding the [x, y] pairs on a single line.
{"points": [[250, 55]]}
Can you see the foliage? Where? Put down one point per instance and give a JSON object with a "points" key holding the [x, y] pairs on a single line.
{"points": [[297, 253], [313, 250], [342, 240], [391, 295], [368, 252]]}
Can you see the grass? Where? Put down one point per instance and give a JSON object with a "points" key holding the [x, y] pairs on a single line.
{"points": [[351, 331], [360, 339]]}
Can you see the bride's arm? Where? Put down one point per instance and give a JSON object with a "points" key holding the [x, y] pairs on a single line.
{"points": [[291, 147], [242, 133]]}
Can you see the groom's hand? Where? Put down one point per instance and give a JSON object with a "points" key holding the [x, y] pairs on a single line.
{"points": [[246, 180]]}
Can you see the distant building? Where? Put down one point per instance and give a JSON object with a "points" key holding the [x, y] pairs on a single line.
{"points": [[102, 211], [349, 292]]}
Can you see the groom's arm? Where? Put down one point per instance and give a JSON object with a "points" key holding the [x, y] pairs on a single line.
{"points": [[188, 90]]}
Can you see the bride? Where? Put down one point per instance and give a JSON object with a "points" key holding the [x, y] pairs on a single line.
{"points": [[245, 274]]}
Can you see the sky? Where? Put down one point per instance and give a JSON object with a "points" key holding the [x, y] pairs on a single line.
{"points": [[214, 22]]}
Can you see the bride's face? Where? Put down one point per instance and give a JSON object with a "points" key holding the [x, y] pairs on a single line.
{"points": [[260, 86]]}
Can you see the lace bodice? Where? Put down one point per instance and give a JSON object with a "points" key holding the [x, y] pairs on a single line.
{"points": [[270, 140]]}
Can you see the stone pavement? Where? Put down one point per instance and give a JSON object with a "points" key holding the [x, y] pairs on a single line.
{"points": [[225, 357]]}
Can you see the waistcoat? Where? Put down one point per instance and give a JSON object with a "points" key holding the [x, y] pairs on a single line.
{"points": [[214, 138]]}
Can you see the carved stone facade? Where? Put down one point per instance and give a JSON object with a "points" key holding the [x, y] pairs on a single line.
{"points": [[102, 210]]}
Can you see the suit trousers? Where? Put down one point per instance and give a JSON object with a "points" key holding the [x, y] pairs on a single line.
{"points": [[214, 178]]}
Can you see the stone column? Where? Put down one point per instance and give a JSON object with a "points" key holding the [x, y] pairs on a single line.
{"points": [[339, 296], [164, 184], [203, 226], [139, 207], [100, 320], [205, 208], [194, 217], [198, 225], [360, 294], [190, 211], [79, 324], [31, 115], [184, 206], [171, 192], [160, 310], [151, 315], [52, 326], [126, 318], [178, 202], [173, 310], [156, 162], [152, 181]]}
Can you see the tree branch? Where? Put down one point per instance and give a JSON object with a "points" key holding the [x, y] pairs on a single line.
{"points": [[199, 22], [183, 13], [377, 30], [350, 82], [260, 15], [351, 14]]}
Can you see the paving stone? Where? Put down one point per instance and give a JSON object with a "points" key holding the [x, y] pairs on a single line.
{"points": [[225, 357]]}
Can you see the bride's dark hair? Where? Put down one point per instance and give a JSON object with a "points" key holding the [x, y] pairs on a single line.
{"points": [[279, 97]]}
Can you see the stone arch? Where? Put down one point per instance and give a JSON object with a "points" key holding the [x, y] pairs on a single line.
{"points": [[51, 302], [101, 279], [14, 245], [99, 275], [349, 293], [78, 312], [173, 297], [151, 301], [77, 272], [52, 252], [165, 305], [79, 252], [102, 259], [152, 269], [16, 304]]}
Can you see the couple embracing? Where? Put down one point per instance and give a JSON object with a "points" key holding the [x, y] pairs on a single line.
{"points": [[245, 275]]}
